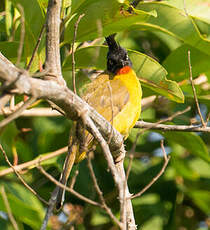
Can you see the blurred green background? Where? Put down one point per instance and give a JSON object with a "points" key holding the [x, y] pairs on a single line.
{"points": [[158, 36]]}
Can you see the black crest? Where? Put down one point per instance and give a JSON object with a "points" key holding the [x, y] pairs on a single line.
{"points": [[117, 57]]}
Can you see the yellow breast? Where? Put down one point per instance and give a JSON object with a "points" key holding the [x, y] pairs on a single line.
{"points": [[118, 100], [126, 119]]}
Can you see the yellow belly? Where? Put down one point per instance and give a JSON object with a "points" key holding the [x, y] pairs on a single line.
{"points": [[126, 119]]}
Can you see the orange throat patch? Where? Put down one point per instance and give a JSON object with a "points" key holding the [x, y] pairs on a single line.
{"points": [[124, 70]]}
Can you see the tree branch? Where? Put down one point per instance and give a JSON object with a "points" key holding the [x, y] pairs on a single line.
{"points": [[163, 127], [53, 64], [33, 163], [72, 104], [18, 112]]}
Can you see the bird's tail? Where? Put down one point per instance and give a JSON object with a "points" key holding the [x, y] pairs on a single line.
{"points": [[79, 142], [69, 162]]}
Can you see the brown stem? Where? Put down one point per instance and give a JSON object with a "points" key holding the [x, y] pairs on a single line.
{"points": [[194, 91], [72, 49], [36, 47], [53, 64], [34, 163], [163, 127], [22, 33]]}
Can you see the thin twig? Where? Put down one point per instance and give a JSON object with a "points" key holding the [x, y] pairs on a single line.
{"points": [[34, 112], [73, 180], [156, 124], [131, 156], [50, 208], [163, 127], [72, 191], [7, 206], [17, 113], [163, 150], [20, 178], [67, 167], [166, 160], [35, 162], [36, 47], [178, 113], [194, 91], [72, 48], [100, 194], [207, 118], [22, 33], [48, 112]]}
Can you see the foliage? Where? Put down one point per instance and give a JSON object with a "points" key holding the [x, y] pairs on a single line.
{"points": [[158, 36]]}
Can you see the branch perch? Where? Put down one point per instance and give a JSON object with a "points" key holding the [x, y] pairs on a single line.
{"points": [[163, 127]]}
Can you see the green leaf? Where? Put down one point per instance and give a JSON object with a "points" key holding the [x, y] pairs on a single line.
{"points": [[99, 218], [200, 167], [191, 141], [9, 50], [150, 73], [6, 225], [174, 21], [201, 198], [184, 169], [76, 4], [156, 221], [147, 199], [8, 17], [34, 19], [177, 62], [24, 195], [102, 18], [199, 8], [153, 75], [24, 205]]}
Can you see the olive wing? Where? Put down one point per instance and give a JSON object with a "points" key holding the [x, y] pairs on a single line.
{"points": [[107, 97]]}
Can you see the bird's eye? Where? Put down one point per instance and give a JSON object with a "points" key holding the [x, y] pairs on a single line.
{"points": [[126, 57]]}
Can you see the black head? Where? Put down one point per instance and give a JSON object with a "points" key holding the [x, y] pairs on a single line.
{"points": [[117, 56]]}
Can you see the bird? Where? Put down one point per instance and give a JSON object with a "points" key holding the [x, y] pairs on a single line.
{"points": [[115, 94]]}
